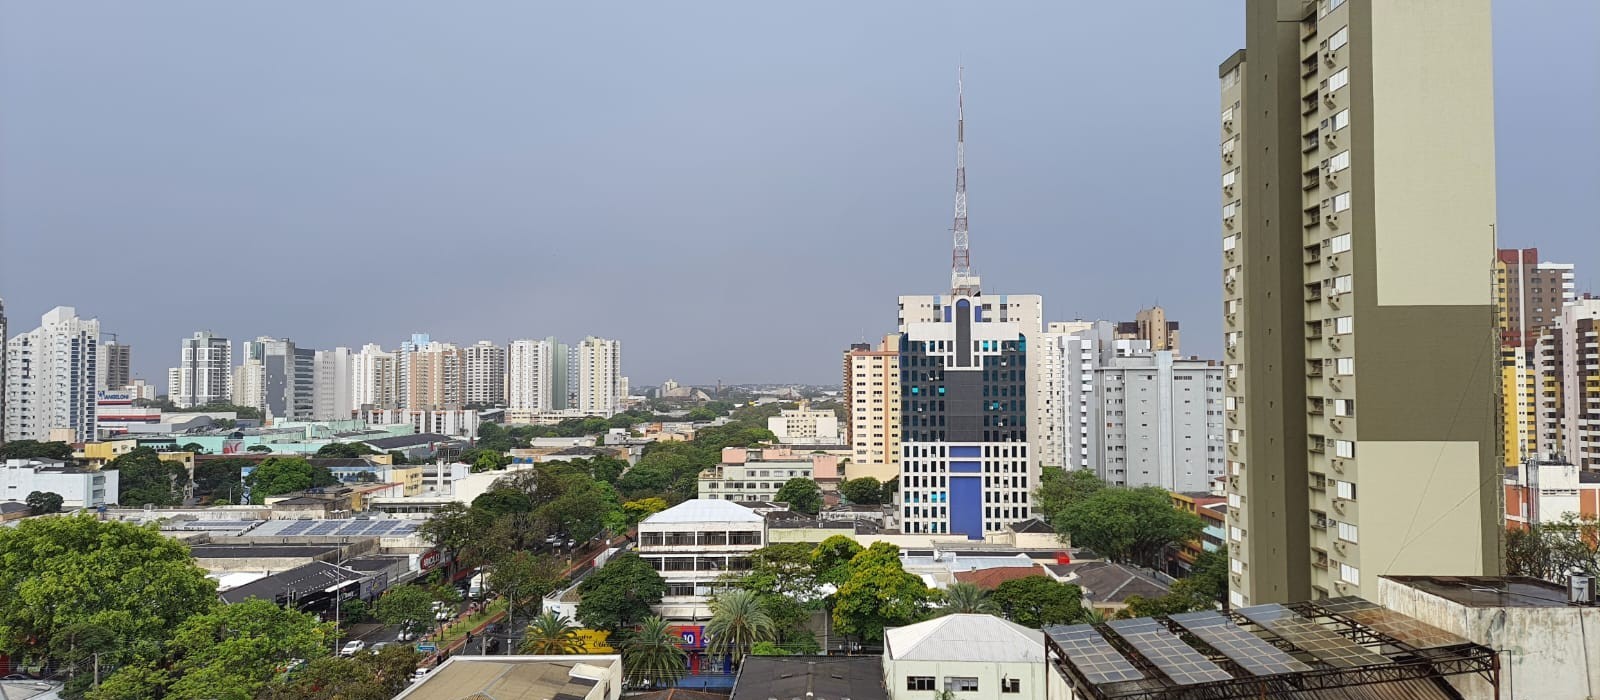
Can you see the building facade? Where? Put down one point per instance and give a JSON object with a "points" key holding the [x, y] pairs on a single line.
{"points": [[1156, 421], [77, 486], [50, 378], [333, 385], [1358, 207], [531, 375], [599, 376], [434, 377], [805, 426], [115, 365], [484, 374], [693, 545], [1529, 294], [204, 374], [1573, 371], [374, 378], [753, 474], [872, 409], [3, 363]]}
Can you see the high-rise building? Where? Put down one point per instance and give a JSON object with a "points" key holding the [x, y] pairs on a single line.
{"points": [[1358, 207], [1572, 370], [872, 409], [403, 362], [434, 377], [1151, 325], [50, 378], [115, 365], [530, 375], [3, 364], [1519, 404], [375, 378], [333, 385], [278, 379], [484, 374], [204, 372], [1529, 294], [599, 376]]}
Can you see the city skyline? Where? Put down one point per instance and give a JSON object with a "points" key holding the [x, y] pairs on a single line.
{"points": [[195, 178]]}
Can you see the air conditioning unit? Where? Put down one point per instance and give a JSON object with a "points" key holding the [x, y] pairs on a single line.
{"points": [[1333, 262], [1338, 465], [1338, 505], [1227, 190], [1332, 219], [1339, 545], [1227, 125], [1331, 138], [1333, 342], [1333, 299], [1227, 158], [1227, 221], [1329, 57], [1328, 98], [1333, 178], [1338, 425]]}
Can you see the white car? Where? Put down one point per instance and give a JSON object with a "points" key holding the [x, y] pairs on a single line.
{"points": [[351, 647], [406, 634]]}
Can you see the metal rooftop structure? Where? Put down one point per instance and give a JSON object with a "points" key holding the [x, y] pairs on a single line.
{"points": [[1336, 649]]}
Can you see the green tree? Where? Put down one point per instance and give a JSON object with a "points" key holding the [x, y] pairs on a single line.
{"points": [[1059, 488], [865, 491], [551, 634], [619, 595], [701, 414], [738, 622], [135, 681], [276, 476], [34, 449], [231, 651], [966, 598], [377, 676], [803, 495], [879, 593], [1209, 574], [218, 479], [1128, 525], [144, 478], [259, 449], [346, 450], [43, 502], [457, 530], [831, 559], [890, 488], [636, 511], [768, 649], [1039, 602], [409, 606], [71, 572], [501, 501], [653, 655], [194, 447], [524, 580]]}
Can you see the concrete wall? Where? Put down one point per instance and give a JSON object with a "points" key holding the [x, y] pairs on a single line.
{"points": [[989, 676]]}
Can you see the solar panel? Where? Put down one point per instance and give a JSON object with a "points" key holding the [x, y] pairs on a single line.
{"points": [[1092, 655], [1182, 664], [1328, 646], [1414, 632], [1249, 651]]}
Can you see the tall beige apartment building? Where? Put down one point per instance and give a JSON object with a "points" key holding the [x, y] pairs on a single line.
{"points": [[483, 374], [1358, 204], [434, 377], [872, 409]]}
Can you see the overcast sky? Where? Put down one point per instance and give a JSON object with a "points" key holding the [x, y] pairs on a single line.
{"points": [[736, 190]]}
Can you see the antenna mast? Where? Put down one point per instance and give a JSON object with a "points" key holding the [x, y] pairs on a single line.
{"points": [[961, 279]]}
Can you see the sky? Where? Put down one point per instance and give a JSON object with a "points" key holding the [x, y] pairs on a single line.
{"points": [[736, 190]]}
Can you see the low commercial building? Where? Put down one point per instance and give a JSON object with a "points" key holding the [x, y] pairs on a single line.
{"points": [[810, 677], [78, 487], [979, 656], [563, 677], [693, 544], [756, 474], [1546, 492]]}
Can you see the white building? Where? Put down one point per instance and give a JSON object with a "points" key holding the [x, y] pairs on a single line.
{"points": [[599, 376], [374, 378], [333, 385], [484, 374], [872, 408], [805, 426], [50, 378], [3, 363], [980, 656], [459, 422], [755, 474], [530, 376], [693, 544], [77, 486], [204, 374]]}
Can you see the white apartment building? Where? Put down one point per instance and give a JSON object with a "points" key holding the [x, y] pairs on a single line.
{"points": [[530, 376], [872, 409], [77, 486], [333, 385], [458, 422], [1571, 368], [754, 474], [484, 374], [693, 544], [1162, 419], [3, 363], [599, 376], [374, 378], [805, 426], [204, 374], [50, 377]]}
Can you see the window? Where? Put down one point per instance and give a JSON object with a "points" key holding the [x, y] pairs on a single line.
{"points": [[1345, 366], [1235, 565], [1339, 243], [1235, 534], [1343, 324], [961, 685], [1341, 120], [1230, 403], [1347, 491], [1341, 201], [1228, 178], [1347, 532], [1344, 407], [1344, 448], [1230, 242], [1341, 284], [1339, 162], [1230, 209], [1010, 685], [1339, 80], [1234, 500], [1349, 574], [1339, 39], [919, 683]]}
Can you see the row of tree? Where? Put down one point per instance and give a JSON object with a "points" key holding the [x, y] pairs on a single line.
{"points": [[1551, 551]]}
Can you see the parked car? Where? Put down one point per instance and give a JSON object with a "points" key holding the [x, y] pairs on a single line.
{"points": [[419, 674], [378, 647], [406, 633], [352, 647], [443, 614]]}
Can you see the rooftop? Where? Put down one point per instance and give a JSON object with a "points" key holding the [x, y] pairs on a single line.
{"points": [[403, 441], [300, 582], [1490, 591], [988, 579], [244, 551], [1033, 525], [489, 677], [704, 510], [963, 637], [810, 678]]}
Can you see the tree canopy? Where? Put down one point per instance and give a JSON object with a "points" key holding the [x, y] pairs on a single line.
{"points": [[144, 478], [802, 494], [1127, 525], [866, 491], [1060, 488], [878, 593], [280, 475], [218, 479], [43, 502], [619, 595], [34, 449], [1039, 601], [346, 449], [1552, 549]]}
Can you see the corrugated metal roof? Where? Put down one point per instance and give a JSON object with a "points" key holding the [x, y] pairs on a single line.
{"points": [[704, 510], [965, 637]]}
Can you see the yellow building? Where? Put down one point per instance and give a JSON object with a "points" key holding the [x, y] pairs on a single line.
{"points": [[1518, 406]]}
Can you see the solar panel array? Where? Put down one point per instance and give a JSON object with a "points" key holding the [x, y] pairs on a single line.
{"points": [[1329, 647], [1411, 631], [1177, 660], [1092, 655], [1252, 653], [340, 528]]}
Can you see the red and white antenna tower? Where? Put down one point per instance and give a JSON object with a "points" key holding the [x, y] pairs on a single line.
{"points": [[962, 282]]}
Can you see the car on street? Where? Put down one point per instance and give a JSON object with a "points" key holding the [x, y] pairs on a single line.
{"points": [[377, 647], [406, 633], [444, 614], [352, 647], [419, 674]]}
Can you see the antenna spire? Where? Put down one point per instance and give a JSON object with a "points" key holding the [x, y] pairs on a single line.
{"points": [[961, 279]]}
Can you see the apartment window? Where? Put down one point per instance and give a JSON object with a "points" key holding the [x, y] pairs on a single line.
{"points": [[1230, 242], [1346, 490], [1230, 403], [1339, 39], [1235, 565], [1339, 79], [1231, 306], [1339, 243], [1343, 324], [1341, 119], [1227, 114], [1339, 162], [1344, 407], [961, 685], [1344, 366], [1230, 209], [1344, 448], [1347, 532], [919, 683], [1341, 201], [1229, 177], [1349, 574], [1011, 685], [1235, 534], [1234, 500], [1341, 284]]}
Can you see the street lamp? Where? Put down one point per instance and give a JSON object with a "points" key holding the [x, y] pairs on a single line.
{"points": [[338, 595]]}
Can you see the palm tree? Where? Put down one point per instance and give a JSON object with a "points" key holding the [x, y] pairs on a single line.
{"points": [[738, 622], [551, 634], [653, 654], [1095, 616], [962, 597]]}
